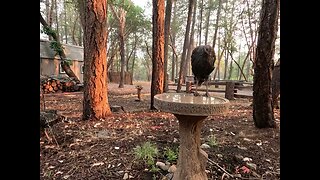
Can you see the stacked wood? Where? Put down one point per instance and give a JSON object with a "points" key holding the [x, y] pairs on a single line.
{"points": [[59, 84]]}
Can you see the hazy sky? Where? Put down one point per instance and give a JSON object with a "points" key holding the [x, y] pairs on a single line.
{"points": [[141, 3]]}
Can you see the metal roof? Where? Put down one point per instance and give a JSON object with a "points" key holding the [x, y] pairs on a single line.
{"points": [[72, 52]]}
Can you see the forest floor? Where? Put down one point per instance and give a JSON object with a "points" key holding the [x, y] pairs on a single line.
{"points": [[105, 149]]}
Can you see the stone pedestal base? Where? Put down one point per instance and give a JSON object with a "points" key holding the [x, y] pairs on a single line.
{"points": [[192, 159]]}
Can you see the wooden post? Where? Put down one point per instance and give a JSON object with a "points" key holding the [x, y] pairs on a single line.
{"points": [[188, 87], [229, 94], [139, 88]]}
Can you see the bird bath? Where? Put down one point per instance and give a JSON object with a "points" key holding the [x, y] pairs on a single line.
{"points": [[190, 110]]}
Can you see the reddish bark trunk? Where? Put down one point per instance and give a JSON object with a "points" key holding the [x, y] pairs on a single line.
{"points": [[157, 50], [95, 102]]}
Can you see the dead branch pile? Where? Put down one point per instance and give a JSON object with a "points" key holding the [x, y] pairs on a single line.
{"points": [[59, 84]]}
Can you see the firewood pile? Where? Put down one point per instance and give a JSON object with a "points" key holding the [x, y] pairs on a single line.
{"points": [[59, 84]]}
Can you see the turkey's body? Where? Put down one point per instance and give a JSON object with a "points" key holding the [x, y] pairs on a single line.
{"points": [[202, 62]]}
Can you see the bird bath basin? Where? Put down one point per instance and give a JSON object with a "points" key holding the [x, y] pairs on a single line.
{"points": [[190, 110]]}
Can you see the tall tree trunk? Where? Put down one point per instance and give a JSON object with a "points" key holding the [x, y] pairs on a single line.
{"points": [[183, 62], [217, 24], [64, 64], [208, 22], [263, 115], [226, 60], [121, 17], [65, 21], [50, 17], [80, 36], [148, 62], [74, 27], [200, 23], [157, 49], [81, 9], [166, 42], [275, 83], [95, 98], [134, 54], [191, 45], [122, 23], [57, 20], [173, 43]]}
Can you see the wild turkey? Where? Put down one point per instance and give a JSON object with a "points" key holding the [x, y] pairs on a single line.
{"points": [[49, 117], [202, 62]]}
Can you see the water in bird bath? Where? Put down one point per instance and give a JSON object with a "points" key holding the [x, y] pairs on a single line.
{"points": [[190, 98]]}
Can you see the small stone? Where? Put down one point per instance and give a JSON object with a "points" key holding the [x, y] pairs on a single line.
{"points": [[251, 165], [238, 157], [175, 140], [246, 159], [162, 166], [268, 160], [172, 169], [168, 176], [125, 176], [219, 155], [241, 147], [205, 146], [151, 137]]}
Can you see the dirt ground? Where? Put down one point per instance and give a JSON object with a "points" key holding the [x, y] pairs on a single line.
{"points": [[104, 149]]}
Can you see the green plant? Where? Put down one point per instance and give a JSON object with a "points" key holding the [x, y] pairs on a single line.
{"points": [[170, 154], [147, 152], [212, 141]]}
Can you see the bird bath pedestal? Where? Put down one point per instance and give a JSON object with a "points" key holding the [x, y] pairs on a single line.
{"points": [[191, 111]]}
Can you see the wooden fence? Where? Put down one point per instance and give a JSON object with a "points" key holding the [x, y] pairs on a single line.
{"points": [[230, 90]]}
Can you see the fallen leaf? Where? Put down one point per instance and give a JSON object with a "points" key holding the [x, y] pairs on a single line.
{"points": [[245, 169], [97, 164]]}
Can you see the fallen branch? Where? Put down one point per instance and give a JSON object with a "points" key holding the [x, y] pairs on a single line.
{"points": [[220, 167], [226, 172]]}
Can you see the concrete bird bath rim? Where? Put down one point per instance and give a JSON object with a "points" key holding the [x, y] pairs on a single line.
{"points": [[188, 104], [191, 111]]}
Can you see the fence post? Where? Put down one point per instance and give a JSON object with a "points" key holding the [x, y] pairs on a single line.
{"points": [[229, 94]]}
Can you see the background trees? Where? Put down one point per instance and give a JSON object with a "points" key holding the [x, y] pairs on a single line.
{"points": [[232, 23], [232, 26]]}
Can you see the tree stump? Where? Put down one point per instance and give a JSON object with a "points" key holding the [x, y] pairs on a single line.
{"points": [[117, 109], [192, 159]]}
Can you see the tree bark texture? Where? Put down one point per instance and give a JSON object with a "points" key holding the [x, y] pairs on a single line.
{"points": [[122, 22], [263, 115], [95, 100], [192, 159], [157, 49]]}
